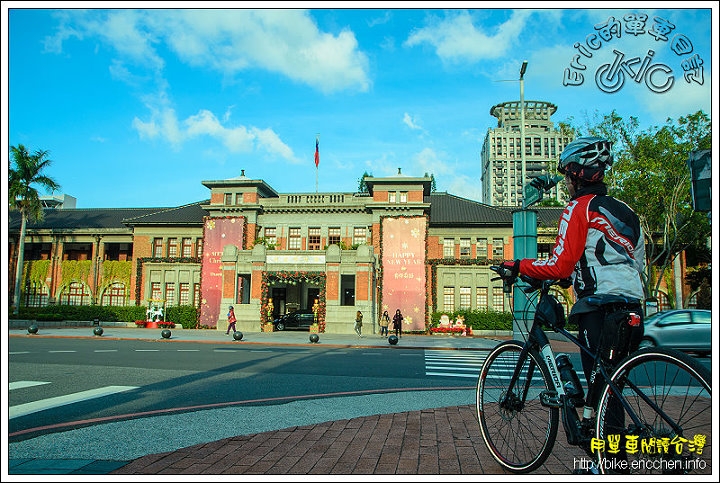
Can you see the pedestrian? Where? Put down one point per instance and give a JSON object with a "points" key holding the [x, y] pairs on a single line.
{"points": [[384, 323], [358, 323], [231, 321], [600, 248], [397, 323]]}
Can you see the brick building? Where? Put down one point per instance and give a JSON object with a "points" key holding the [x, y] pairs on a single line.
{"points": [[397, 245]]}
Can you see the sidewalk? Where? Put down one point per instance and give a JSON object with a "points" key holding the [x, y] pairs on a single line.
{"points": [[438, 434]]}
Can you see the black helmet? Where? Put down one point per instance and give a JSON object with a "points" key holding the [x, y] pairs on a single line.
{"points": [[586, 158], [231, 307]]}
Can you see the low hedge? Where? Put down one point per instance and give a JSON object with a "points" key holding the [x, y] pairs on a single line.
{"points": [[185, 315]]}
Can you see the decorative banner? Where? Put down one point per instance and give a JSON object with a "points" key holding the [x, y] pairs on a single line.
{"points": [[217, 232], [403, 269]]}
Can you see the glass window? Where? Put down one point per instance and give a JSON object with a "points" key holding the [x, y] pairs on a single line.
{"points": [[75, 294], [334, 235], [238, 198], [157, 247], [271, 235], [449, 299], [449, 248], [228, 198], [172, 247], [184, 293], [359, 235], [186, 247], [392, 197], [155, 292], [196, 294], [199, 247], [314, 238], [114, 295], [498, 299], [294, 239], [481, 248], [498, 249], [36, 294], [403, 197], [169, 294], [481, 298], [465, 303], [465, 248]]}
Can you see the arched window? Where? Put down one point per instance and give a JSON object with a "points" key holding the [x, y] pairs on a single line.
{"points": [[36, 294], [75, 294], [115, 295]]}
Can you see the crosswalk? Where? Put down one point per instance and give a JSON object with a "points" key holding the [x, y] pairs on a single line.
{"points": [[445, 363], [53, 402]]}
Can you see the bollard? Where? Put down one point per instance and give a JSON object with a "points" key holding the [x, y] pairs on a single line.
{"points": [[237, 335], [393, 339], [166, 333], [33, 329], [98, 331], [314, 338]]}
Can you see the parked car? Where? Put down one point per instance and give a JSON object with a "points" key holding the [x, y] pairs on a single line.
{"points": [[300, 319], [688, 330]]}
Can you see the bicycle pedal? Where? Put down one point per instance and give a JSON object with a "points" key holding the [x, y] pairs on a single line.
{"points": [[550, 399]]}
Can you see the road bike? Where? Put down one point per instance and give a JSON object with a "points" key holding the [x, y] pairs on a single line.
{"points": [[648, 412]]}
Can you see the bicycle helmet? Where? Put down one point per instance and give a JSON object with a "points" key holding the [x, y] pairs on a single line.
{"points": [[586, 159]]}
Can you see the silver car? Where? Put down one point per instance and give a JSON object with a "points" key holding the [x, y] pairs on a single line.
{"points": [[687, 330]]}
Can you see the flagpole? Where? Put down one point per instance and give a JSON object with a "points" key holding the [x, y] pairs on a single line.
{"points": [[317, 159]]}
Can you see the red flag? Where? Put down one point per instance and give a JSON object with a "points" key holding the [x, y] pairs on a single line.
{"points": [[317, 152]]}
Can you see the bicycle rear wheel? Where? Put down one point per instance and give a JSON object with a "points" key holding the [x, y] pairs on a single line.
{"points": [[670, 393], [518, 430]]}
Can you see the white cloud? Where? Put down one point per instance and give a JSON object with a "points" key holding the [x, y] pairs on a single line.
{"points": [[456, 39], [410, 122]]}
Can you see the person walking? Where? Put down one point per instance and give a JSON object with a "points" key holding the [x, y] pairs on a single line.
{"points": [[231, 321], [384, 323], [358, 323], [397, 323]]}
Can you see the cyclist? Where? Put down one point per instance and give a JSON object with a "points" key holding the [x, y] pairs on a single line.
{"points": [[600, 247]]}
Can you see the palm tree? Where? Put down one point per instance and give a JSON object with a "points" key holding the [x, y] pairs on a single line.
{"points": [[26, 172]]}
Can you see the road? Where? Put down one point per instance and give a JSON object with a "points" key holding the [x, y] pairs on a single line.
{"points": [[58, 384]]}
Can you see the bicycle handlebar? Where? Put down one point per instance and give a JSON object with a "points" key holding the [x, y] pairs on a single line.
{"points": [[509, 280]]}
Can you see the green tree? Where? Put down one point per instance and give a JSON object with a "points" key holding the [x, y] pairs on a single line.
{"points": [[25, 172], [362, 187], [433, 185], [651, 174]]}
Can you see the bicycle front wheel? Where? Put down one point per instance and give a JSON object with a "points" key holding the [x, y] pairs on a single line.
{"points": [[518, 430], [669, 394]]}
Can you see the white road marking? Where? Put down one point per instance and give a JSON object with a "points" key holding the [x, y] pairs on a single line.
{"points": [[43, 404], [22, 384]]}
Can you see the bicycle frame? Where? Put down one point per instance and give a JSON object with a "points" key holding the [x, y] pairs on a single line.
{"points": [[538, 340]]}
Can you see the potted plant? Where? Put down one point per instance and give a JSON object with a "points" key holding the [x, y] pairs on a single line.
{"points": [[314, 328]]}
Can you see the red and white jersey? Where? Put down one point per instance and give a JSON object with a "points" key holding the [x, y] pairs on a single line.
{"points": [[600, 244]]}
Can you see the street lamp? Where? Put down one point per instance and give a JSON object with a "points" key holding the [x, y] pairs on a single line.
{"points": [[523, 68]]}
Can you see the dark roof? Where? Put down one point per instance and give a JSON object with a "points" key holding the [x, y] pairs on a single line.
{"points": [[447, 210], [191, 214], [79, 218]]}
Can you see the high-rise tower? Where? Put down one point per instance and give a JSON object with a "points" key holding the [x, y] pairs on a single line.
{"points": [[501, 157]]}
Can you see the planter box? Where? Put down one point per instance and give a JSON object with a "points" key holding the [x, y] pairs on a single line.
{"points": [[315, 329], [267, 327]]}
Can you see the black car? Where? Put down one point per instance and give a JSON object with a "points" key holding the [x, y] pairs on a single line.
{"points": [[300, 319], [687, 330]]}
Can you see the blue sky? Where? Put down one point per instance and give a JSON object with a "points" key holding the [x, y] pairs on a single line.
{"points": [[138, 107]]}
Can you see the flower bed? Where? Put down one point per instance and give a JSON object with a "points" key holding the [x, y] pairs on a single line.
{"points": [[447, 330], [154, 325]]}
